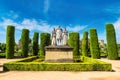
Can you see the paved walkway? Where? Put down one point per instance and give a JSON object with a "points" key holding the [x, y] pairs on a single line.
{"points": [[61, 75]]}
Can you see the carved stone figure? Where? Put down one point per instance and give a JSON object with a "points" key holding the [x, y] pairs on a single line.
{"points": [[54, 38], [59, 35], [65, 37]]}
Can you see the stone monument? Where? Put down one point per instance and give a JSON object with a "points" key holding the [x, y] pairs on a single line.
{"points": [[59, 51]]}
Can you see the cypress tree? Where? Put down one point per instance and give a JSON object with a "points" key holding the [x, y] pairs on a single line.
{"points": [[35, 43], [111, 42], [44, 41], [85, 44], [74, 42], [94, 45], [10, 41], [25, 42]]}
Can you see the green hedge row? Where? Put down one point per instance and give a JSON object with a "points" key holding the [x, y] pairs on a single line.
{"points": [[35, 43], [85, 44], [25, 42], [94, 45], [88, 64], [44, 41], [10, 41], [111, 42], [74, 42]]}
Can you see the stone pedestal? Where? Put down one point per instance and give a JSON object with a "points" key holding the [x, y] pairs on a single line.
{"points": [[58, 54]]}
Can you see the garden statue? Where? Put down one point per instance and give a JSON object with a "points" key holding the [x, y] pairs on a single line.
{"points": [[54, 38], [59, 36], [59, 51], [64, 37]]}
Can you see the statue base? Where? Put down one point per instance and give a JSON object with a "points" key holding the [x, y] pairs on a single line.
{"points": [[58, 54]]}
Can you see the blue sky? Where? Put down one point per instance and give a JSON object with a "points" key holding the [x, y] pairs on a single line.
{"points": [[44, 15]]}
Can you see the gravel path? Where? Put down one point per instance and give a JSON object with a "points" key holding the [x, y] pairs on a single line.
{"points": [[61, 75]]}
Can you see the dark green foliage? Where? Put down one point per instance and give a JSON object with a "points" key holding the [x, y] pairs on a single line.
{"points": [[94, 45], [88, 65], [74, 42], [111, 42], [25, 42], [44, 41], [85, 44], [10, 41], [35, 43], [2, 47]]}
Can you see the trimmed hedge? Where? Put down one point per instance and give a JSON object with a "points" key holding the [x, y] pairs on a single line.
{"points": [[85, 44], [94, 45], [111, 42], [35, 43], [10, 41], [88, 64], [74, 42], [25, 42], [97, 64], [44, 41]]}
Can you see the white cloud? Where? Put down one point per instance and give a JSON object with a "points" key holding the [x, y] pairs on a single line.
{"points": [[30, 24], [117, 29], [33, 24], [46, 6], [76, 28]]}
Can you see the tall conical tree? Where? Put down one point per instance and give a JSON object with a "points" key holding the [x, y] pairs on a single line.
{"points": [[44, 41], [85, 44], [111, 42], [35, 43], [10, 41], [25, 42], [94, 45], [74, 42]]}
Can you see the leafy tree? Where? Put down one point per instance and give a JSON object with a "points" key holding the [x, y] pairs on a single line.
{"points": [[25, 42], [44, 41], [10, 41], [111, 42], [74, 42], [35, 43], [94, 45], [85, 44]]}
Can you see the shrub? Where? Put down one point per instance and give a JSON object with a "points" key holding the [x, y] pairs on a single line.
{"points": [[94, 45], [25, 42], [88, 65], [10, 42], [35, 43], [44, 41], [85, 44], [74, 42], [111, 42]]}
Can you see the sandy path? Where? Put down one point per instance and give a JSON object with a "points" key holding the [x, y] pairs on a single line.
{"points": [[62, 75]]}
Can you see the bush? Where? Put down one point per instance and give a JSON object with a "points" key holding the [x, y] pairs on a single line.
{"points": [[10, 41], [25, 42], [85, 44], [35, 43], [98, 65], [94, 45], [111, 42], [88, 65], [74, 42], [44, 41]]}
